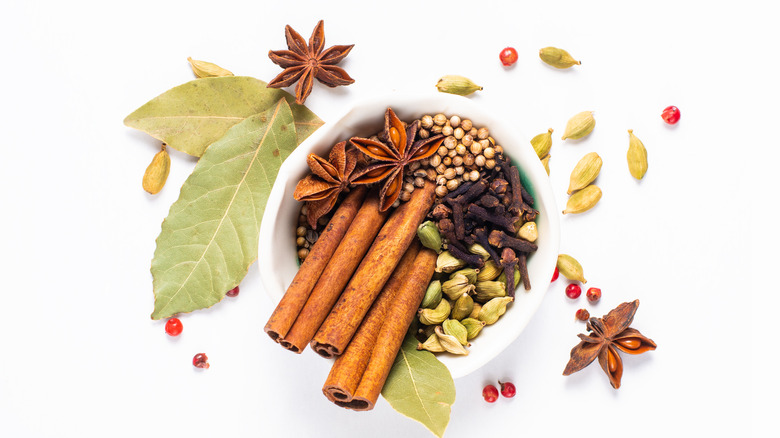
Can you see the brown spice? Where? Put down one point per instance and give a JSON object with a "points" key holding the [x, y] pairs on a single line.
{"points": [[303, 63], [608, 335]]}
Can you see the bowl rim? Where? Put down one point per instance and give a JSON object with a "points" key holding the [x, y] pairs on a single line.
{"points": [[404, 104]]}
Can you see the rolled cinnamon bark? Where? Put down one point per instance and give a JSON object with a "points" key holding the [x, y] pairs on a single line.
{"points": [[391, 336], [372, 274], [344, 377], [298, 292], [334, 278]]}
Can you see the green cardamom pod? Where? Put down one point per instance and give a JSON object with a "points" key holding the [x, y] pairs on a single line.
{"points": [[473, 327], [475, 311], [528, 232], [570, 268], [546, 164], [542, 143], [446, 262], [489, 272], [476, 248], [583, 200], [432, 295], [493, 309], [462, 307], [455, 84], [585, 172], [637, 156], [431, 344], [450, 343], [457, 286], [454, 328], [436, 315], [470, 273], [203, 69], [579, 126], [557, 58], [487, 290], [429, 236], [157, 172]]}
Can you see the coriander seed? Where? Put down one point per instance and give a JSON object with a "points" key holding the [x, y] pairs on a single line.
{"points": [[460, 149], [404, 196], [457, 160], [499, 150], [474, 175], [446, 130], [436, 129], [424, 133], [441, 180], [419, 182], [459, 170], [467, 140], [302, 253], [458, 133], [452, 153], [440, 119], [475, 148], [300, 241], [300, 231], [454, 121], [485, 143], [491, 163], [431, 173], [441, 191], [468, 160], [450, 142], [466, 125], [452, 184], [442, 151], [447, 161], [483, 133], [473, 132], [414, 165], [449, 173], [409, 187], [426, 121], [489, 152], [435, 160], [441, 168], [480, 160]]}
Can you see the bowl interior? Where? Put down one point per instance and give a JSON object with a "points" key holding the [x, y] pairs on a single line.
{"points": [[277, 259]]}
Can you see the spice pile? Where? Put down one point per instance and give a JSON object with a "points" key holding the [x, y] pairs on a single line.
{"points": [[367, 271]]}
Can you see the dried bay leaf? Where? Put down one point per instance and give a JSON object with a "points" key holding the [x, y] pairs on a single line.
{"points": [[193, 115], [420, 387], [210, 237]]}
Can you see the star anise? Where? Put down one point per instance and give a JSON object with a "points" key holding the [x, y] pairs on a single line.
{"points": [[321, 189], [397, 149], [608, 335], [303, 63]]}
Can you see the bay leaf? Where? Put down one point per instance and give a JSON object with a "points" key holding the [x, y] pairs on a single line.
{"points": [[210, 237], [193, 115], [420, 387]]}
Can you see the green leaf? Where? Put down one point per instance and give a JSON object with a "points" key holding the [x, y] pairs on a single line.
{"points": [[420, 387], [193, 115], [210, 237]]}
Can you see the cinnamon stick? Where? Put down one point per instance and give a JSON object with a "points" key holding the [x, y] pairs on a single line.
{"points": [[391, 336], [298, 292], [344, 377], [380, 261], [334, 278]]}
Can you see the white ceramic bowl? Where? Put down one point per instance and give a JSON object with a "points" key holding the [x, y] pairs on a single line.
{"points": [[277, 258]]}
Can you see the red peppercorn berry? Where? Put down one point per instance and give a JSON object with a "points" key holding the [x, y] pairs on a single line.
{"points": [[508, 56], [555, 275], [573, 290], [173, 327], [671, 115], [593, 294], [490, 393], [582, 314], [232, 292], [507, 389], [201, 360]]}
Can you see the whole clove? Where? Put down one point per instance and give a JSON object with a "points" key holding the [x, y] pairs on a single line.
{"points": [[508, 223], [501, 240], [509, 263]]}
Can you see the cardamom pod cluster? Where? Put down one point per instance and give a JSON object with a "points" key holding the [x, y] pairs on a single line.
{"points": [[461, 300], [583, 200], [455, 84], [585, 172], [429, 236]]}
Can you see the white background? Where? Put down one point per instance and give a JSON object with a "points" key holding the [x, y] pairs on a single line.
{"points": [[79, 355]]}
